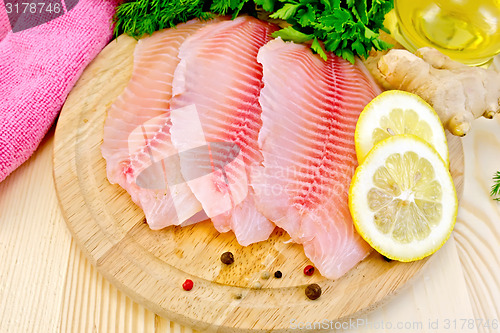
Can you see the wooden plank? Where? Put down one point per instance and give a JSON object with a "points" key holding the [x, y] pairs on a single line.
{"points": [[34, 244], [440, 286], [477, 232]]}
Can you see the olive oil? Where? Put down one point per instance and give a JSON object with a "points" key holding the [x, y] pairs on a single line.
{"points": [[466, 30]]}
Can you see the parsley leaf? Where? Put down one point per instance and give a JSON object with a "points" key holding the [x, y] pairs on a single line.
{"points": [[285, 12], [267, 5], [291, 34], [316, 47]]}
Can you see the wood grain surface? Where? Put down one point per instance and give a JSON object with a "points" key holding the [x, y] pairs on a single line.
{"points": [[150, 266]]}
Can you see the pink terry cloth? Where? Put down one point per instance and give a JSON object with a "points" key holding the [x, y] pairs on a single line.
{"points": [[38, 68], [4, 21]]}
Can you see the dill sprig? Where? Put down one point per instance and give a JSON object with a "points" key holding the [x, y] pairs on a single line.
{"points": [[495, 188], [344, 27], [138, 18]]}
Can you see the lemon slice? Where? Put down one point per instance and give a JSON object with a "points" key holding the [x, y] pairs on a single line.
{"points": [[396, 112], [402, 199]]}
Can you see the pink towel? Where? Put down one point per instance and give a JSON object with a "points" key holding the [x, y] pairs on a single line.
{"points": [[4, 21], [38, 68]]}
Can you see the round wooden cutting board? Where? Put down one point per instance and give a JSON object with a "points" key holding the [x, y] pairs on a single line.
{"points": [[151, 266]]}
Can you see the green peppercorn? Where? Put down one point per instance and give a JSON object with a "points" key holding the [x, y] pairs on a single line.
{"points": [[313, 291], [227, 258]]}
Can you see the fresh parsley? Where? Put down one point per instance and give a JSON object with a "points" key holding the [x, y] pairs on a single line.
{"points": [[347, 28], [495, 188], [344, 27]]}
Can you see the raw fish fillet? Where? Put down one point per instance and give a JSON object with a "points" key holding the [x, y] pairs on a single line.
{"points": [[309, 113], [216, 89], [137, 147]]}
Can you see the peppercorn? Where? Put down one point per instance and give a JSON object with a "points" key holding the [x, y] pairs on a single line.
{"points": [[313, 291], [387, 259], [309, 270], [188, 285], [257, 285], [265, 275], [227, 258], [278, 274]]}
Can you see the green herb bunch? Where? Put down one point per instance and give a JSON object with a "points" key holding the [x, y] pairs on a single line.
{"points": [[348, 28], [495, 188], [344, 27]]}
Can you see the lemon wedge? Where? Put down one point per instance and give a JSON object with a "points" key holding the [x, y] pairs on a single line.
{"points": [[402, 199], [396, 112]]}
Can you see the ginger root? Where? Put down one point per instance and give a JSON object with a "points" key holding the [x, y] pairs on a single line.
{"points": [[458, 93]]}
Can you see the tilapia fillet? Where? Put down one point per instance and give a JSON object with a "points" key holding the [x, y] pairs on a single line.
{"points": [[309, 113], [219, 80], [137, 131]]}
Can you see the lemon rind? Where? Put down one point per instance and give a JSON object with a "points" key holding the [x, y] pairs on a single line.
{"points": [[368, 121], [417, 249]]}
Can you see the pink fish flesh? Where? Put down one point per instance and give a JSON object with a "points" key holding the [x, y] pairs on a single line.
{"points": [[309, 111], [216, 89], [137, 132]]}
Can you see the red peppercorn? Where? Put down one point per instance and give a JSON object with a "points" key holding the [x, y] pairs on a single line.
{"points": [[309, 270], [187, 285]]}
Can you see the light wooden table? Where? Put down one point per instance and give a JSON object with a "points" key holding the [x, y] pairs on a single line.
{"points": [[47, 285]]}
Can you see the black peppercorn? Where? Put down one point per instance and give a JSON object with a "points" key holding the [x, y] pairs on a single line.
{"points": [[387, 259], [313, 291], [227, 258], [278, 274]]}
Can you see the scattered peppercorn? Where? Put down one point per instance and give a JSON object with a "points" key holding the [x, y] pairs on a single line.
{"points": [[257, 285], [309, 270], [278, 274], [265, 275], [387, 259], [227, 258], [313, 291], [188, 285]]}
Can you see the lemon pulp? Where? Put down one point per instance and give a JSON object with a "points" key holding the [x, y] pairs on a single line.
{"points": [[400, 121], [405, 198]]}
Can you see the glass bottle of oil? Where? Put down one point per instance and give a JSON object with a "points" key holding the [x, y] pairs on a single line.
{"points": [[466, 30]]}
